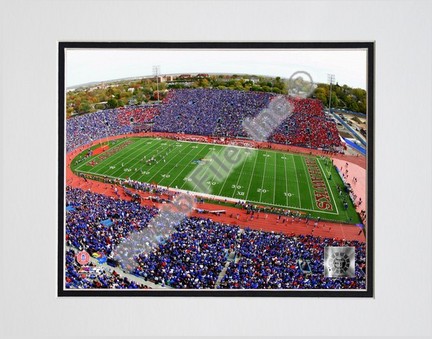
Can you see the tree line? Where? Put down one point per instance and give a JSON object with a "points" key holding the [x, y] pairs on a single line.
{"points": [[343, 97], [135, 92]]}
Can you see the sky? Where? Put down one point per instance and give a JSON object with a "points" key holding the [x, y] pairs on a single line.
{"points": [[94, 65]]}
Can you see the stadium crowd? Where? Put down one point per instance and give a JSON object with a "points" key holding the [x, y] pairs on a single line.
{"points": [[192, 257], [222, 112], [269, 260], [315, 131], [86, 128], [195, 254], [92, 276], [208, 112], [138, 117], [87, 211]]}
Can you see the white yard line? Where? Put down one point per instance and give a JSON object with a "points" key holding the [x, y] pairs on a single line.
{"points": [[166, 163], [218, 197], [204, 148], [286, 183], [309, 181], [111, 159], [97, 156], [213, 144], [290, 207], [262, 182], [114, 158], [297, 181], [181, 161], [204, 174], [225, 182], [238, 179], [229, 170], [147, 169], [253, 172], [133, 161], [329, 188]]}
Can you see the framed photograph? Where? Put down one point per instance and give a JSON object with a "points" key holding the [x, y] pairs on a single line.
{"points": [[216, 169]]}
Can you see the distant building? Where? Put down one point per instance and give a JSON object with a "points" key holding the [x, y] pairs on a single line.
{"points": [[164, 78]]}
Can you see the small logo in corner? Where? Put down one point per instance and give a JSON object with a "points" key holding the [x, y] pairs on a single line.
{"points": [[339, 262]]}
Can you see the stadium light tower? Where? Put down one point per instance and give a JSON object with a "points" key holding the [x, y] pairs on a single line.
{"points": [[156, 72], [330, 80]]}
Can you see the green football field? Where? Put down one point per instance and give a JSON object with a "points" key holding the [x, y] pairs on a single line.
{"points": [[269, 178]]}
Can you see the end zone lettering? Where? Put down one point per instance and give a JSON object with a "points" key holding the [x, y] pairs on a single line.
{"points": [[322, 198]]}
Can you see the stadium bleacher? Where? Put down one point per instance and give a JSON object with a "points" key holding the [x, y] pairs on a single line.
{"points": [[195, 255], [209, 112]]}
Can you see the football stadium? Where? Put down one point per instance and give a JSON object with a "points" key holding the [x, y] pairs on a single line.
{"points": [[260, 223]]}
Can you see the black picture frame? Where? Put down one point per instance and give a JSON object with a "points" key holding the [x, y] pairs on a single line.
{"points": [[369, 46]]}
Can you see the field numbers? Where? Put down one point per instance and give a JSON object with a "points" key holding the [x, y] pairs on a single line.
{"points": [[261, 190], [165, 175], [240, 193], [236, 186], [288, 194]]}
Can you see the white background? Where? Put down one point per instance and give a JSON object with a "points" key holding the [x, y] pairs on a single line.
{"points": [[29, 34]]}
